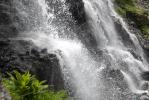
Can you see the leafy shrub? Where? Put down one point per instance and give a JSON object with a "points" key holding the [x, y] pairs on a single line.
{"points": [[27, 87]]}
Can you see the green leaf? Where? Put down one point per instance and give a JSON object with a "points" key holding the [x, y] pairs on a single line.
{"points": [[27, 87]]}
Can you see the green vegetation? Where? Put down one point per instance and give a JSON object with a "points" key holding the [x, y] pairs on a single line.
{"points": [[132, 11], [123, 6], [27, 87]]}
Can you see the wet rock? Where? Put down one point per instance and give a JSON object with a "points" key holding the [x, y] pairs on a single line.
{"points": [[116, 75], [24, 56], [7, 28], [35, 52], [145, 45], [135, 55], [44, 51], [47, 68], [4, 42], [123, 34], [10, 57], [145, 76], [76, 7], [4, 18]]}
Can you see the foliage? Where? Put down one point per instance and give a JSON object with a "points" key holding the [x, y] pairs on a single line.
{"points": [[27, 87], [129, 5], [145, 31], [131, 10]]}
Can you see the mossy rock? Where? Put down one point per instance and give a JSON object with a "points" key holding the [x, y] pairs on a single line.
{"points": [[139, 19]]}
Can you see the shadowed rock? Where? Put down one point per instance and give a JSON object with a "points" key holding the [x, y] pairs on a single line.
{"points": [[76, 7], [145, 75]]}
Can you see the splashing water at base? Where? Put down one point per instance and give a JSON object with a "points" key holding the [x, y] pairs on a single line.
{"points": [[78, 66]]}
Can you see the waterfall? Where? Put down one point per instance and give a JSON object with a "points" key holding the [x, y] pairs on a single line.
{"points": [[101, 16], [132, 85], [112, 75], [78, 66]]}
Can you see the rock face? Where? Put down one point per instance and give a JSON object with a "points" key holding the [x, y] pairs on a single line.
{"points": [[122, 33], [46, 67], [76, 7], [23, 56], [82, 27], [145, 76], [7, 29]]}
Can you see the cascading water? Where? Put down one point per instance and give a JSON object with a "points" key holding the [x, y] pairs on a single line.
{"points": [[77, 65], [86, 77], [121, 57]]}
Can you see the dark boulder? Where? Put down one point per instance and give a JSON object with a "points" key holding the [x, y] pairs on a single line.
{"points": [[46, 67]]}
